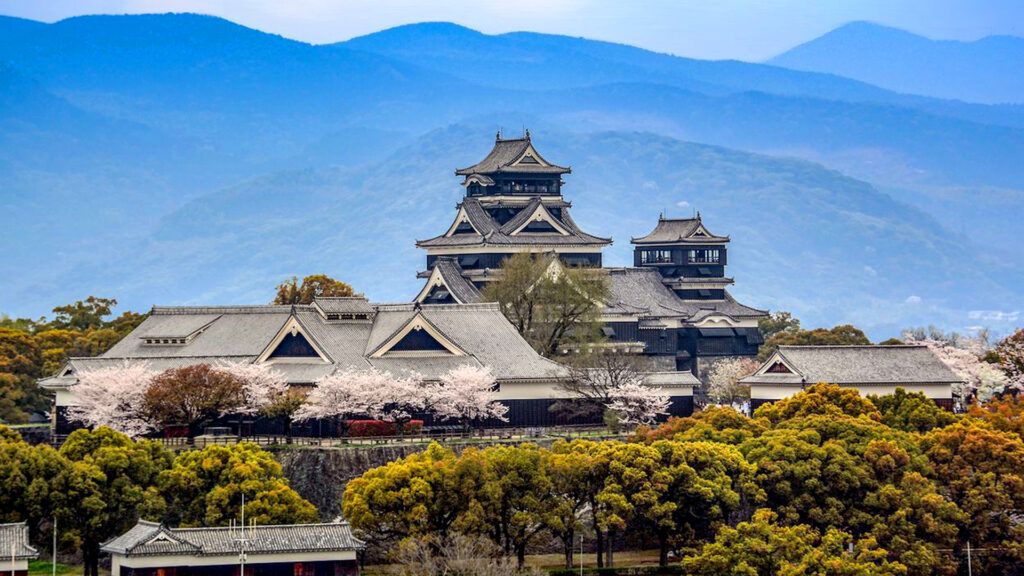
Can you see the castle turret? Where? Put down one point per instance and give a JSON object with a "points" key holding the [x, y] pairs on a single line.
{"points": [[690, 259]]}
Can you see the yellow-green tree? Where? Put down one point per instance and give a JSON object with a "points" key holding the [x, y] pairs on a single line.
{"points": [[423, 494], [722, 424], [844, 334], [593, 459], [111, 481], [205, 488], [317, 285], [516, 496], [764, 547], [27, 475], [911, 411], [819, 399]]}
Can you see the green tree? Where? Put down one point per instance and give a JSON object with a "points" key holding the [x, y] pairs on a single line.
{"points": [[777, 322], [83, 314], [316, 285], [516, 497], [1006, 414], [722, 424], [20, 363], [27, 475], [554, 307], [911, 411], [593, 460], [634, 490], [570, 473], [112, 480], [764, 547], [821, 399], [192, 396], [205, 488], [423, 494], [844, 334]]}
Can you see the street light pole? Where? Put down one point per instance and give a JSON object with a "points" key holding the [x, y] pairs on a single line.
{"points": [[54, 546]]}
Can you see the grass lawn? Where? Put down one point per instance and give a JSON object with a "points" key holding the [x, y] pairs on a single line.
{"points": [[45, 568]]}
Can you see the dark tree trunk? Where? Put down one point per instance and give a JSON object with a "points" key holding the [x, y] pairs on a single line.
{"points": [[662, 550], [288, 429], [567, 542], [599, 536], [609, 557], [520, 555], [90, 559]]}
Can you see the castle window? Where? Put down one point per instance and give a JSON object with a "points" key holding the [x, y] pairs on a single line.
{"points": [[294, 346], [333, 316], [655, 256], [703, 256]]}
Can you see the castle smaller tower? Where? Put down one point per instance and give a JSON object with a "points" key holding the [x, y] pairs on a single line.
{"points": [[690, 259]]}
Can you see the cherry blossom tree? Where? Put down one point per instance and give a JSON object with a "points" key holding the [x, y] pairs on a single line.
{"points": [[636, 403], [962, 355], [466, 394], [113, 396], [370, 392], [724, 386], [1010, 351], [262, 385]]}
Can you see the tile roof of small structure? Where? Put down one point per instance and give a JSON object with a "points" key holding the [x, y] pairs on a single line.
{"points": [[461, 289], [642, 290], [503, 157], [676, 230], [242, 334], [150, 538], [14, 537], [910, 364]]}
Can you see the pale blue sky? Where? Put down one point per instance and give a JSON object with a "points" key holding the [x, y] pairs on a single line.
{"points": [[742, 29]]}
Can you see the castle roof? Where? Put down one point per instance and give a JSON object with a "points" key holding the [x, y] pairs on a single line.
{"points": [[642, 291], [679, 230], [477, 335], [14, 540], [515, 155]]}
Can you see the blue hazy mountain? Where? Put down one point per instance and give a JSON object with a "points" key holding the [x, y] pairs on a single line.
{"points": [[142, 156], [987, 70], [805, 238]]}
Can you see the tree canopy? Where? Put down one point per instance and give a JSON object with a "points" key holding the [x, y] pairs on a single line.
{"points": [[292, 291]]}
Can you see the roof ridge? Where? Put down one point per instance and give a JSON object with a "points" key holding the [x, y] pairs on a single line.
{"points": [[848, 346]]}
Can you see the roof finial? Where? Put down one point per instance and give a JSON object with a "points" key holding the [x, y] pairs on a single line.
{"points": [[527, 132], [497, 137], [698, 214]]}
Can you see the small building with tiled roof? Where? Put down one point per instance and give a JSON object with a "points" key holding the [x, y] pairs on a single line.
{"points": [[869, 369], [151, 549], [15, 550]]}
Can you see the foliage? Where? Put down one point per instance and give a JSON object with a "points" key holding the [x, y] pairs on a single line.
{"points": [[911, 411], [594, 376], [113, 396], [982, 471], [722, 424], [109, 482], [1006, 414], [556, 308], [824, 399], [765, 547], [193, 396], [27, 476], [516, 496], [776, 322], [262, 386], [32, 349], [457, 555], [839, 335], [205, 488], [314, 286], [380, 427], [724, 386]]}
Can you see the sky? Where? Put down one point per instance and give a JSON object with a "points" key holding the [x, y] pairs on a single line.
{"points": [[752, 30]]}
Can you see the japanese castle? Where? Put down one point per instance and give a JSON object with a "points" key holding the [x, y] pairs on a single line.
{"points": [[672, 305]]}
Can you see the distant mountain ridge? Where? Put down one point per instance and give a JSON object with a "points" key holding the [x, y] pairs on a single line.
{"points": [[184, 158], [989, 70]]}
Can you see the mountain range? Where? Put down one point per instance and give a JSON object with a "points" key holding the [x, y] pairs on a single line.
{"points": [[183, 158], [987, 70]]}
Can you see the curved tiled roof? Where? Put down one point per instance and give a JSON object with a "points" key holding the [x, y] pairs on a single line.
{"points": [[868, 364], [507, 151], [643, 291], [674, 230], [149, 538], [14, 539]]}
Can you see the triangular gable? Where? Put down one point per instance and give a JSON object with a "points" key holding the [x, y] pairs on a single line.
{"points": [[418, 337], [460, 218], [290, 345], [541, 214], [435, 282], [777, 359], [530, 157]]}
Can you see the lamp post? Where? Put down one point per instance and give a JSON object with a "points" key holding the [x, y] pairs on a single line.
{"points": [[242, 541]]}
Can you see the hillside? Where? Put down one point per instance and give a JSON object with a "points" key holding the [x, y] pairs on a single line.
{"points": [[986, 70], [830, 248]]}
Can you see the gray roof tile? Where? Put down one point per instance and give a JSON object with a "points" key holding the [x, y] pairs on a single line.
{"points": [[14, 537], [500, 158], [909, 364], [138, 541], [675, 230]]}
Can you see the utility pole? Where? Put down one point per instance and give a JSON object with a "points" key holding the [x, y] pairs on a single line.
{"points": [[581, 554], [969, 568], [54, 546], [242, 542]]}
